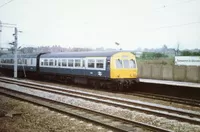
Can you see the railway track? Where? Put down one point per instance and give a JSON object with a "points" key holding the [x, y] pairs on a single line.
{"points": [[191, 102], [171, 113], [172, 99], [107, 120]]}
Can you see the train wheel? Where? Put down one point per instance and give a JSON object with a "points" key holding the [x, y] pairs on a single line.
{"points": [[97, 85], [109, 86], [120, 87]]}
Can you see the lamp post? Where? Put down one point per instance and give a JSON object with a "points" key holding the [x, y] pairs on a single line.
{"points": [[15, 43], [118, 44], [15, 58]]}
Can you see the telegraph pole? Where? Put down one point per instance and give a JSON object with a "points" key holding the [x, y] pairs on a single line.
{"points": [[15, 43], [15, 54]]}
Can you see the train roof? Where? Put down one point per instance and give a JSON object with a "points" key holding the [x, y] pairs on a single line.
{"points": [[65, 54], [81, 54], [30, 55]]}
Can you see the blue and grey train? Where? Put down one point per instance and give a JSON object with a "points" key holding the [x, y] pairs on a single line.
{"points": [[97, 68]]}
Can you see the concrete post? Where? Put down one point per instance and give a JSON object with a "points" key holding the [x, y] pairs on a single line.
{"points": [[15, 54]]}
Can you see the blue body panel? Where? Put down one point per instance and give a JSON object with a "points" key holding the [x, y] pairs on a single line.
{"points": [[104, 74]]}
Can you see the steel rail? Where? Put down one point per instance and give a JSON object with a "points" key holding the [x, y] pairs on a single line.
{"points": [[191, 102], [104, 119], [128, 104]]}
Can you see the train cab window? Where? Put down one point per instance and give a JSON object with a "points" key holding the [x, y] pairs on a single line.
{"points": [[118, 63], [99, 63], [64, 62], [77, 63], [46, 62], [70, 63], [132, 63], [126, 63], [91, 63], [51, 62]]}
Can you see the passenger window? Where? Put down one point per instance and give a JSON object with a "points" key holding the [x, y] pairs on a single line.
{"points": [[32, 61], [132, 64], [64, 62], [46, 62], [83, 65], [70, 63], [126, 63], [22, 61], [42, 63], [99, 63], [91, 63], [59, 63], [25, 61], [77, 63], [19, 61], [55, 62], [118, 63], [51, 62]]}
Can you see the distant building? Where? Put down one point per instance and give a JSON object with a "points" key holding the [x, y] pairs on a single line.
{"points": [[138, 54], [100, 49]]}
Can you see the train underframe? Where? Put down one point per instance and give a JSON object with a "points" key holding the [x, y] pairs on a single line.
{"points": [[93, 82]]}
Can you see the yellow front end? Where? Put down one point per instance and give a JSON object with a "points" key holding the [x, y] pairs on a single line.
{"points": [[123, 66]]}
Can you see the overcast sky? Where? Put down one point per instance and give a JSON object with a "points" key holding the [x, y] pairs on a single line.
{"points": [[101, 23]]}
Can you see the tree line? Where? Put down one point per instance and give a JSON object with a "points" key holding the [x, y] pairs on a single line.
{"points": [[190, 53], [155, 55]]}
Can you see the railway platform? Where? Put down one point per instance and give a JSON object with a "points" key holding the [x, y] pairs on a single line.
{"points": [[172, 83]]}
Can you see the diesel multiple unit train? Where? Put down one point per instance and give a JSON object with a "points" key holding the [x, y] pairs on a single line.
{"points": [[105, 69]]}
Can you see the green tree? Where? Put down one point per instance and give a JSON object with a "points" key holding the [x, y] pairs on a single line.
{"points": [[190, 53]]}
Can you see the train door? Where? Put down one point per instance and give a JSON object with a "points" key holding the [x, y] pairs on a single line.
{"points": [[84, 66]]}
